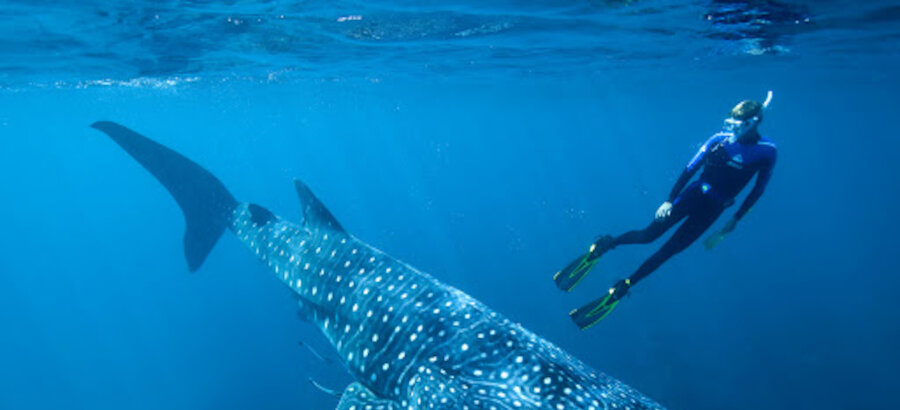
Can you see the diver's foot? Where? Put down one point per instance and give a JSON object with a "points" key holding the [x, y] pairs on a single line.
{"points": [[620, 289], [602, 245]]}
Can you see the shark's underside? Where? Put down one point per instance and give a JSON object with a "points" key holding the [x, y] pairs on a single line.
{"points": [[410, 341]]}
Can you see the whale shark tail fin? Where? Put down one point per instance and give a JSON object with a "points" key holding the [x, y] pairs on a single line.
{"points": [[315, 214], [206, 203]]}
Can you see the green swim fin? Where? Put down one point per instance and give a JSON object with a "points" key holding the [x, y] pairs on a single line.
{"points": [[569, 277], [592, 313], [575, 271]]}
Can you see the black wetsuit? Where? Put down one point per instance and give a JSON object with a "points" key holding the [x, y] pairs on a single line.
{"points": [[728, 166]]}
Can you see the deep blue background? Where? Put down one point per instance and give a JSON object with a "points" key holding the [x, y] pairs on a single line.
{"points": [[489, 186]]}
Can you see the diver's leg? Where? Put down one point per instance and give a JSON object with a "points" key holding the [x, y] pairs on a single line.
{"points": [[570, 276], [682, 206], [588, 315], [648, 234], [686, 234]]}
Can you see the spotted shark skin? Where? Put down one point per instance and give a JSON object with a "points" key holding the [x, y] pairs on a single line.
{"points": [[410, 341]]}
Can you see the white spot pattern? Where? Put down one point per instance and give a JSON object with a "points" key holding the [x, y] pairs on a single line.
{"points": [[413, 342]]}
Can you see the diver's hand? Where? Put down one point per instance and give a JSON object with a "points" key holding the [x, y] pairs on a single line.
{"points": [[664, 211], [729, 226], [717, 237]]}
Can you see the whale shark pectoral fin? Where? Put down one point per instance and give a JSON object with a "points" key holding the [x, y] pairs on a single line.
{"points": [[434, 386], [323, 389], [357, 396], [315, 214], [206, 203]]}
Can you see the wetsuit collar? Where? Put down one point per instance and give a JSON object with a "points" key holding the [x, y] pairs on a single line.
{"points": [[751, 137]]}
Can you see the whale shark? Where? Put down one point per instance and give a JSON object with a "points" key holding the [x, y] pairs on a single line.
{"points": [[408, 340]]}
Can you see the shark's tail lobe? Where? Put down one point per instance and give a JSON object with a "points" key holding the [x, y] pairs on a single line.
{"points": [[206, 203]]}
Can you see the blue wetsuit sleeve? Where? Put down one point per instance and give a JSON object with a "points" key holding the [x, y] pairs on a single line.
{"points": [[693, 166], [762, 179], [682, 181]]}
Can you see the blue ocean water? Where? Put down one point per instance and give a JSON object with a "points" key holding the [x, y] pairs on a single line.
{"points": [[485, 143]]}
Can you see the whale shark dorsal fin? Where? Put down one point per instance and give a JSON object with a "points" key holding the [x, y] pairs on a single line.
{"points": [[315, 214]]}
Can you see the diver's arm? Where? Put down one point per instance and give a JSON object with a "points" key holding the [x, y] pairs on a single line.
{"points": [[692, 167], [762, 179], [665, 209], [686, 176]]}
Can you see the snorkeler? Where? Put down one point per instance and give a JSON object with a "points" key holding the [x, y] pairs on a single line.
{"points": [[729, 160]]}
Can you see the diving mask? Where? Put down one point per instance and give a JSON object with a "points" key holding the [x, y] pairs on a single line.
{"points": [[739, 127]]}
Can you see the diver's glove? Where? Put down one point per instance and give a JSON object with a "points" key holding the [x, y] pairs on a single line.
{"points": [[729, 226], [664, 211], [717, 237]]}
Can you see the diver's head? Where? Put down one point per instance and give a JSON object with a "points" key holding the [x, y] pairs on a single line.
{"points": [[744, 120]]}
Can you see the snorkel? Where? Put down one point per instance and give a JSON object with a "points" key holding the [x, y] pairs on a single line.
{"points": [[768, 101]]}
